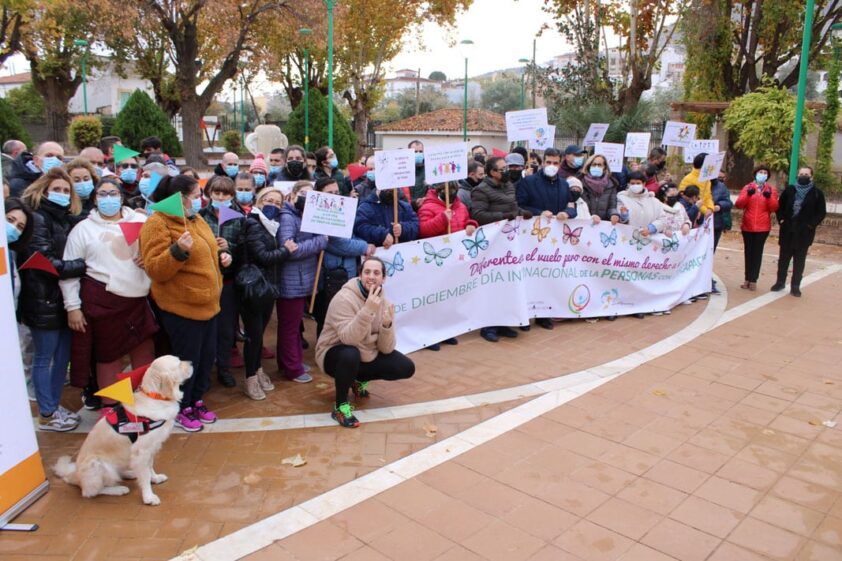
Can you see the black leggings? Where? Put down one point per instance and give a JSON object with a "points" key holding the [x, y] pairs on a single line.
{"points": [[254, 324], [753, 243], [342, 363]]}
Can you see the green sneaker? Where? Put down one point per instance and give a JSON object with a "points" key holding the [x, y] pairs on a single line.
{"points": [[360, 389], [344, 415]]}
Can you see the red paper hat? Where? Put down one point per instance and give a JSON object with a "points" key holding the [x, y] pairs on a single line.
{"points": [[498, 153], [136, 375], [39, 263], [355, 171]]}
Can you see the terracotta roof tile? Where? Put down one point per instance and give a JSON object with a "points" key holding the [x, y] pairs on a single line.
{"points": [[21, 78], [448, 120]]}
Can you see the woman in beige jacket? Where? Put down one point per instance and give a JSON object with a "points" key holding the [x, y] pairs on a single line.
{"points": [[357, 344]]}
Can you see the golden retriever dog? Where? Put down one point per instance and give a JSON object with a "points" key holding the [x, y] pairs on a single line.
{"points": [[108, 456]]}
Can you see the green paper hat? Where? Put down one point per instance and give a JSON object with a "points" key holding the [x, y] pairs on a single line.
{"points": [[122, 153], [172, 205]]}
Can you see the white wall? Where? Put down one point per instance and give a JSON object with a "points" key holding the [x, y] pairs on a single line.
{"points": [[392, 140], [106, 89], [4, 88]]}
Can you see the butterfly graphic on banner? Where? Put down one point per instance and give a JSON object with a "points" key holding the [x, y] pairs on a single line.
{"points": [[395, 265], [670, 244], [608, 239], [432, 254], [510, 228], [639, 240], [542, 233], [572, 236], [475, 245]]}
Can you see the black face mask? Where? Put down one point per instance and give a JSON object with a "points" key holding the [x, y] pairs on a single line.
{"points": [[804, 180], [472, 182], [479, 158], [300, 202], [672, 200], [515, 175], [295, 168], [575, 194], [386, 197]]}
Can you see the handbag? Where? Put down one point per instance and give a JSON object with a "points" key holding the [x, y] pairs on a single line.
{"points": [[335, 279], [252, 287]]}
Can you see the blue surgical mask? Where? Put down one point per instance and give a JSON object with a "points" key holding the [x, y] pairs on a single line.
{"points": [[761, 178], [220, 204], [259, 180], [333, 162], [109, 206], [578, 161], [275, 169], [271, 212], [419, 158], [84, 188], [596, 171], [232, 170], [196, 205], [49, 163], [128, 175], [12, 233], [61, 199], [145, 186], [245, 197], [370, 176]]}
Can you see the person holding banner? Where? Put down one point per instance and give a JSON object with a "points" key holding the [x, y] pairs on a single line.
{"points": [[692, 178], [41, 308], [758, 200], [675, 217], [599, 189], [375, 219], [298, 274], [639, 208], [358, 341], [108, 309]]}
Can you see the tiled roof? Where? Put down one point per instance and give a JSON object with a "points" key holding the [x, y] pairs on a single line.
{"points": [[21, 78], [448, 120]]}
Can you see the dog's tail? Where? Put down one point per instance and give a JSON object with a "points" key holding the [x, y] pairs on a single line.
{"points": [[66, 469]]}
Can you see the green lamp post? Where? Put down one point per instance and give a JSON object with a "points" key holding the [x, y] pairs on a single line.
{"points": [[802, 91], [330, 5], [465, 47], [242, 106], [84, 44], [305, 32], [523, 83]]}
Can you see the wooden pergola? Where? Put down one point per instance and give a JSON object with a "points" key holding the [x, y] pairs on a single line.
{"points": [[717, 107]]}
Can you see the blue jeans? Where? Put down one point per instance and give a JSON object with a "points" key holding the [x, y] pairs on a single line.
{"points": [[49, 366]]}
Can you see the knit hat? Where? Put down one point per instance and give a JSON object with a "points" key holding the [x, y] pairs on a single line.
{"points": [[574, 182], [259, 164]]}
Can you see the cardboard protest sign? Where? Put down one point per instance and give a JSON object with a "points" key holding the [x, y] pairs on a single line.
{"points": [[699, 146], [711, 166], [395, 168], [613, 153], [521, 125], [679, 134], [544, 138], [637, 144], [445, 162], [596, 132], [331, 215]]}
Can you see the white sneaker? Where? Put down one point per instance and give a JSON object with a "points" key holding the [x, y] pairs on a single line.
{"points": [[67, 413], [264, 381], [57, 423]]}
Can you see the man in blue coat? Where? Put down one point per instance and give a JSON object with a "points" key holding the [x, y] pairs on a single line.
{"points": [[375, 215]]}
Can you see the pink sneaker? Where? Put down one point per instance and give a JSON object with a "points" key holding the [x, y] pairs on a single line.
{"points": [[204, 414], [187, 421]]}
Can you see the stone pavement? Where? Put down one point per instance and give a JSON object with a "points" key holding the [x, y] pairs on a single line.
{"points": [[715, 449]]}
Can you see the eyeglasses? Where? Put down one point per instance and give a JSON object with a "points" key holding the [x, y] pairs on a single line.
{"points": [[128, 166], [501, 170], [108, 193]]}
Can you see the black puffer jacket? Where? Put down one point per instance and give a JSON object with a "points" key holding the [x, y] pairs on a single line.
{"points": [[41, 305], [24, 173], [262, 249]]}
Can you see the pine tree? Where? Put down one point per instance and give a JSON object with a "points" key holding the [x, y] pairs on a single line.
{"points": [[141, 118], [343, 135]]}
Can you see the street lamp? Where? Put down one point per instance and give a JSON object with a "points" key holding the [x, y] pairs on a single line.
{"points": [[330, 5], [84, 44], [523, 83], [305, 32], [802, 91], [465, 47]]}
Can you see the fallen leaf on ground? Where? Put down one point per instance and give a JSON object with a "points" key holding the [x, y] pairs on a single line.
{"points": [[828, 382], [659, 393], [814, 422], [829, 424], [430, 430], [294, 461]]}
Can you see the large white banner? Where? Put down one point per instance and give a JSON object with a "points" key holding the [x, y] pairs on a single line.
{"points": [[508, 272]]}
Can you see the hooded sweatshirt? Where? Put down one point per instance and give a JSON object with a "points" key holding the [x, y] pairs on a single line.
{"points": [[641, 210]]}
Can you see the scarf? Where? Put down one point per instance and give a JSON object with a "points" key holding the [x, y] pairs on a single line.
{"points": [[270, 225], [800, 194], [597, 185]]}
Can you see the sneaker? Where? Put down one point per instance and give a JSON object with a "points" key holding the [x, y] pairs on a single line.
{"points": [[303, 379], [489, 335], [640, 316], [30, 390], [433, 347], [264, 381], [667, 313], [795, 291], [57, 423], [526, 327], [187, 421], [226, 379], [360, 389], [451, 341], [657, 313], [267, 353], [344, 415], [702, 297], [204, 414], [546, 323], [307, 368], [591, 320], [715, 290], [253, 389], [236, 360], [64, 412], [90, 401], [506, 332], [778, 286]]}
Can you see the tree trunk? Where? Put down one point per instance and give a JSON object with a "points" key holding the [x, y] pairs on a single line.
{"points": [[57, 94], [361, 118], [191, 125]]}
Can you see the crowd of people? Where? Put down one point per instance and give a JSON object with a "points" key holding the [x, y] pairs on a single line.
{"points": [[198, 280]]}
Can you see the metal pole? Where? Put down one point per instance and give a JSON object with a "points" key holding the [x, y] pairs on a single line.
{"points": [[306, 98], [330, 5], [802, 91], [85, 81], [242, 111], [534, 47], [523, 90], [465, 106]]}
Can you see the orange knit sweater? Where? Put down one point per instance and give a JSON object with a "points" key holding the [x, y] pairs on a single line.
{"points": [[188, 287]]}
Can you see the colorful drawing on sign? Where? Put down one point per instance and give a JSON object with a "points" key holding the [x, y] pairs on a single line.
{"points": [[639, 241], [540, 133], [447, 168], [670, 244], [608, 239], [474, 246], [579, 299], [609, 297], [511, 228], [572, 236], [394, 266], [684, 133], [438, 256], [538, 231]]}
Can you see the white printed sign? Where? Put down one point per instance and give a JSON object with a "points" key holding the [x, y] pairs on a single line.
{"points": [[544, 138], [331, 215], [613, 153], [699, 146], [395, 168], [637, 144], [285, 187], [711, 166], [445, 162], [679, 134], [596, 132], [521, 125]]}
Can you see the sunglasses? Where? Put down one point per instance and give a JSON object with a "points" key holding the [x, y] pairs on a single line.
{"points": [[128, 166]]}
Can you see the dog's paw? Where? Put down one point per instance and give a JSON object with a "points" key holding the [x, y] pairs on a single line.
{"points": [[120, 490], [159, 478], [151, 500]]}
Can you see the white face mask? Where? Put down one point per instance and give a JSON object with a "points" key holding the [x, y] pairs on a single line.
{"points": [[550, 171], [636, 188]]}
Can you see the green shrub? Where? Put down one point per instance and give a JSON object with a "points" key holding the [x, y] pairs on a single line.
{"points": [[141, 118], [85, 131], [26, 102], [10, 127], [107, 124], [232, 141], [344, 141]]}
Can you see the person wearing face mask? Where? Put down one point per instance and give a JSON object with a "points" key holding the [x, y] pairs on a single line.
{"points": [[229, 166], [258, 170], [375, 219], [228, 236], [639, 208], [802, 208], [277, 160], [574, 159], [298, 275], [515, 163], [692, 178], [599, 189], [295, 168], [107, 309], [261, 249], [675, 217], [479, 154], [368, 182], [184, 262], [53, 201], [245, 188], [658, 159], [476, 173], [129, 173], [146, 185], [19, 228], [28, 167], [83, 175], [419, 190], [758, 200]]}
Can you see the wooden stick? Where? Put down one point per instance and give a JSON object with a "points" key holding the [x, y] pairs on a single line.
{"points": [[316, 282], [395, 201], [447, 202]]}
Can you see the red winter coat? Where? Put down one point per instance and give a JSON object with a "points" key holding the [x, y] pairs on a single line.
{"points": [[433, 221], [757, 209]]}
